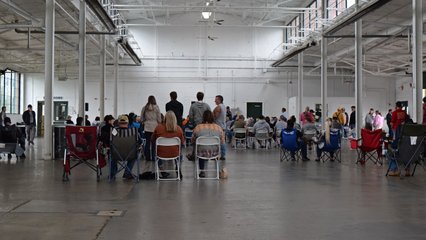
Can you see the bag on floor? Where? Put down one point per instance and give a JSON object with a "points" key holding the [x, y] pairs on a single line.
{"points": [[223, 174]]}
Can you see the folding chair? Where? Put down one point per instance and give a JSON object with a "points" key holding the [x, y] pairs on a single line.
{"points": [[240, 138], [81, 147], [188, 136], [288, 145], [207, 148], [411, 147], [334, 147], [124, 149], [9, 142], [369, 147], [168, 143], [262, 135], [250, 137]]}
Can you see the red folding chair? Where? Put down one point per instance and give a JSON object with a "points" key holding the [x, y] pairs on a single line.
{"points": [[369, 146], [81, 147]]}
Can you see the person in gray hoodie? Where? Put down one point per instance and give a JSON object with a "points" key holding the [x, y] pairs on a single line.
{"points": [[197, 110]]}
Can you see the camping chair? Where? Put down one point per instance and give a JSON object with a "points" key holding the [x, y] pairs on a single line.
{"points": [[240, 138], [262, 136], [369, 146], [207, 148], [81, 147], [289, 144], [410, 147], [9, 141], [334, 147], [124, 149], [163, 142], [188, 136]]}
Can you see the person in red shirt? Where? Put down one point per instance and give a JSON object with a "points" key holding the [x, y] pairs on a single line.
{"points": [[398, 117]]}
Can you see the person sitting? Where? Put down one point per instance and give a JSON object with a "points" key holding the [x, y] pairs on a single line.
{"points": [[309, 131], [11, 134], [239, 123], [325, 140], [168, 129], [301, 144], [261, 125], [210, 129], [69, 120]]}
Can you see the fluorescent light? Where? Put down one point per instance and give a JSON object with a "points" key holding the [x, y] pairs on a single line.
{"points": [[206, 15]]}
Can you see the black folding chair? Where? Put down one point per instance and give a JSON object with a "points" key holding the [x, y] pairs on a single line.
{"points": [[124, 148], [410, 147]]}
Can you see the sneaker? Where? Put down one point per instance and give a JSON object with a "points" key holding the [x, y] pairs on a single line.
{"points": [[317, 159], [9, 156], [202, 175], [127, 176], [222, 158], [22, 156], [293, 159], [306, 159], [190, 157], [394, 173]]}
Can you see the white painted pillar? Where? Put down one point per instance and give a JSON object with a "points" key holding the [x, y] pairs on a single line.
{"points": [[417, 61], [49, 75], [359, 83], [103, 79], [82, 60]]}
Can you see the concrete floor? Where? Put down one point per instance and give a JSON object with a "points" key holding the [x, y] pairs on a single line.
{"points": [[262, 199]]}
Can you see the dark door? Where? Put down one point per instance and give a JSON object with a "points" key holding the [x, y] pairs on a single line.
{"points": [[254, 109], [60, 111]]}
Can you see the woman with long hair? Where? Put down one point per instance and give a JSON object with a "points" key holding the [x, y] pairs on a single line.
{"points": [[325, 139], [151, 117], [168, 129]]}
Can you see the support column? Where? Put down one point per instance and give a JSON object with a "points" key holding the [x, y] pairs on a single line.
{"points": [[82, 60], [359, 83], [417, 61], [115, 105], [49, 69], [299, 108], [103, 79], [324, 67]]}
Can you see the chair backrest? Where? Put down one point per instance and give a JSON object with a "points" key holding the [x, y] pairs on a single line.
{"points": [[262, 133], [188, 133], [8, 134], [81, 141], [167, 143], [289, 139], [240, 132], [124, 144], [334, 141], [410, 137], [371, 139], [207, 147]]}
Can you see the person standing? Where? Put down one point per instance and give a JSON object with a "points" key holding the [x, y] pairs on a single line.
{"points": [[29, 118], [176, 107], [3, 116], [284, 113], [388, 122], [352, 120], [369, 119], [219, 113], [151, 117], [197, 110]]}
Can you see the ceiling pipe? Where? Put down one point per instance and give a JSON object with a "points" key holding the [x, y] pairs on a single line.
{"points": [[66, 32], [101, 14], [367, 36]]}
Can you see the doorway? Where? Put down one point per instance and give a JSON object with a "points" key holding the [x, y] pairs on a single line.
{"points": [[60, 113], [254, 109]]}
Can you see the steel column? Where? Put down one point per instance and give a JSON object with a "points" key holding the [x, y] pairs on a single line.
{"points": [[103, 79], [417, 113], [299, 108], [115, 105], [324, 67], [359, 83], [49, 75], [82, 60]]}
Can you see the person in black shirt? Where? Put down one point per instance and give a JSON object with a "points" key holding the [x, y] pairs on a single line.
{"points": [[388, 122], [352, 119], [176, 107]]}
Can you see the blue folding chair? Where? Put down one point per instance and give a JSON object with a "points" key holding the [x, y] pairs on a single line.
{"points": [[289, 145], [332, 150]]}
